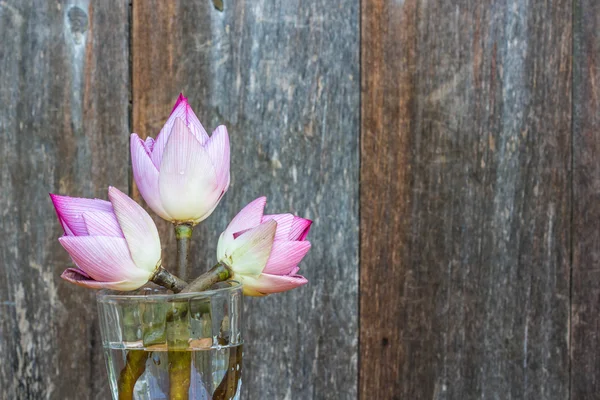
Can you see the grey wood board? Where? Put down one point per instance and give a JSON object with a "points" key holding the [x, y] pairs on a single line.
{"points": [[64, 119], [465, 199], [284, 77], [585, 318]]}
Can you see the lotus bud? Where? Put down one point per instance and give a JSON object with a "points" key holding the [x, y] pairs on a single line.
{"points": [[183, 173], [114, 244], [263, 251]]}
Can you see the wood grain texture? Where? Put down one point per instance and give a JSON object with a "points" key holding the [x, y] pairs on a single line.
{"points": [[64, 92], [284, 77], [585, 328], [465, 199]]}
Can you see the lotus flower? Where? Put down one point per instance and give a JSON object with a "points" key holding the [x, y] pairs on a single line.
{"points": [[263, 251], [114, 244], [183, 173]]}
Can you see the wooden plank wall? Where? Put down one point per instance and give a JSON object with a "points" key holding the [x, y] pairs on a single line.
{"points": [[585, 302], [284, 77], [64, 101], [466, 200], [476, 127]]}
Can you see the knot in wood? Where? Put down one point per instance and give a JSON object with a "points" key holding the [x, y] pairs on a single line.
{"points": [[78, 23]]}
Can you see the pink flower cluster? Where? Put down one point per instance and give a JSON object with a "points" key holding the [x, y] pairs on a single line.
{"points": [[182, 175]]}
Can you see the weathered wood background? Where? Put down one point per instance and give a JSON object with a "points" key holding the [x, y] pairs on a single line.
{"points": [[448, 151]]}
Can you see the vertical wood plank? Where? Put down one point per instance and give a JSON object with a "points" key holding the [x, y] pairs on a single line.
{"points": [[465, 199], [283, 76], [585, 328], [63, 126]]}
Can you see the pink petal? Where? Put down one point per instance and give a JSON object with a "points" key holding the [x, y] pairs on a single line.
{"points": [[285, 256], [248, 254], [99, 223], [249, 217], [194, 124], [300, 228], [284, 225], [146, 176], [66, 229], [149, 145], [268, 284], [104, 259], [180, 99], [183, 111], [218, 150], [138, 228], [209, 212], [80, 278], [187, 180], [70, 210], [238, 234]]}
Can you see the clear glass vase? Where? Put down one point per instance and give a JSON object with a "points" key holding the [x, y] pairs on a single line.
{"points": [[173, 346]]}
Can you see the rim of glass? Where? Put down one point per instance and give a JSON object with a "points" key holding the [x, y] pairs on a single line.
{"points": [[109, 294]]}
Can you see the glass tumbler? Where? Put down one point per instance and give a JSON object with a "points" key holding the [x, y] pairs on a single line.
{"points": [[173, 346]]}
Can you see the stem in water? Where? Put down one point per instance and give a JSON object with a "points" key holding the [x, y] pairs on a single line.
{"points": [[178, 328], [134, 368]]}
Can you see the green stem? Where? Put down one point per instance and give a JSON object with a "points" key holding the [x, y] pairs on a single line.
{"points": [[229, 385], [135, 363], [134, 368], [164, 278], [183, 234], [180, 361], [180, 370], [178, 330], [218, 273]]}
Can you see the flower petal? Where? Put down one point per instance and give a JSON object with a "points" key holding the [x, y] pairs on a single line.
{"points": [[80, 278], [267, 284], [209, 212], [66, 229], [248, 254], [218, 150], [223, 245], [300, 228], [146, 176], [187, 181], [104, 259], [193, 123], [183, 111], [249, 217], [139, 230], [70, 210], [285, 256], [148, 145], [284, 225], [180, 100], [99, 223]]}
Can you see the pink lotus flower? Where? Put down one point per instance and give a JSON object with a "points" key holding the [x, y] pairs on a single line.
{"points": [[263, 251], [184, 173], [114, 244]]}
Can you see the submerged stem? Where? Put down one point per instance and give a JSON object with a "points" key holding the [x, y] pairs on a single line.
{"points": [[228, 387], [218, 273], [183, 234], [135, 363], [134, 368], [180, 369]]}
